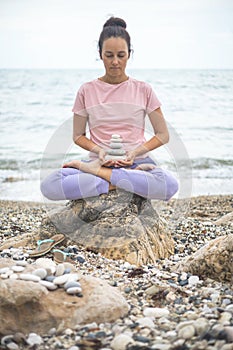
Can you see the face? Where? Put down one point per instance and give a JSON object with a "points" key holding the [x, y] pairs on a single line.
{"points": [[115, 56]]}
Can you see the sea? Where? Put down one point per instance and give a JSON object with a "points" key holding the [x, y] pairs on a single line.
{"points": [[36, 127]]}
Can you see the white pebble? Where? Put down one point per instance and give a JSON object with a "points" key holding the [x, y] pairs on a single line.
{"points": [[74, 277], [193, 280], [74, 290], [42, 273], [22, 263], [48, 285], [61, 279], [183, 276], [16, 268], [29, 277], [186, 332], [14, 276], [146, 322], [34, 339], [155, 312], [4, 276], [4, 270], [59, 270], [121, 342], [12, 346], [46, 264]]}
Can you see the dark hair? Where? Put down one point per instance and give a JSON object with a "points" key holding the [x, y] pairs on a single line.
{"points": [[114, 27]]}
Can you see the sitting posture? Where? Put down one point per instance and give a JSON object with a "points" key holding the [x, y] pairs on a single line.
{"points": [[114, 104]]}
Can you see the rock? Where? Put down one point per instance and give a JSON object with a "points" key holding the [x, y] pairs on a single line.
{"points": [[214, 260], [119, 225], [225, 219], [28, 307]]}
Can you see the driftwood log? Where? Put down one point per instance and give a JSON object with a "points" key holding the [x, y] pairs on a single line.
{"points": [[119, 225]]}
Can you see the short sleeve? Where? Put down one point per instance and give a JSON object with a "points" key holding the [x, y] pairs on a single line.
{"points": [[152, 100], [79, 104]]}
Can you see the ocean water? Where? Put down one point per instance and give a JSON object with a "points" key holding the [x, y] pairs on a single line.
{"points": [[36, 127]]}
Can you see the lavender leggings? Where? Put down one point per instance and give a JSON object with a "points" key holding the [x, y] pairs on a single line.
{"points": [[70, 183]]}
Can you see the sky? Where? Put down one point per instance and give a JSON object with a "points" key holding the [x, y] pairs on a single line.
{"points": [[165, 34]]}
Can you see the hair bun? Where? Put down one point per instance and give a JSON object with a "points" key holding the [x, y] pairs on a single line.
{"points": [[115, 21]]}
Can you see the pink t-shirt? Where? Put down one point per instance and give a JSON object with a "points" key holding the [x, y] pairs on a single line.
{"points": [[116, 109]]}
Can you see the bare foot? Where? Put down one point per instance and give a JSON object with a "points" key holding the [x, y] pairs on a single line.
{"points": [[73, 164], [145, 167], [87, 167]]}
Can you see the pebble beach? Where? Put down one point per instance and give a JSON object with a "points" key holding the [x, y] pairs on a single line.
{"points": [[167, 310]]}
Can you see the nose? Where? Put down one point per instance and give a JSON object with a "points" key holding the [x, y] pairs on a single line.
{"points": [[115, 60]]}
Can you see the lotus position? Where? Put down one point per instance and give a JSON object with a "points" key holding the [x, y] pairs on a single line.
{"points": [[114, 107]]}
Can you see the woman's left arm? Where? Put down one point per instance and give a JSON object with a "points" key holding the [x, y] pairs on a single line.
{"points": [[161, 134], [160, 138]]}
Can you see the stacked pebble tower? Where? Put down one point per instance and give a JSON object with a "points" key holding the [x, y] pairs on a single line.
{"points": [[116, 150]]}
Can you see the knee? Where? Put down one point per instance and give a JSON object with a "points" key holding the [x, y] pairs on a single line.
{"points": [[45, 188], [172, 185], [50, 186]]}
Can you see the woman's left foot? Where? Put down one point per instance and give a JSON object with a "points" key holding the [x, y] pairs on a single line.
{"points": [[145, 167]]}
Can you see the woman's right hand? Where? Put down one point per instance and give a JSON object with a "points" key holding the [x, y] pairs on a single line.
{"points": [[107, 163]]}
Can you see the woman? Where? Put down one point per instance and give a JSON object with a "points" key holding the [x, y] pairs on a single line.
{"points": [[114, 104]]}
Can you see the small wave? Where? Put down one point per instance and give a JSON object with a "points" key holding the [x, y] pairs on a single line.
{"points": [[209, 163]]}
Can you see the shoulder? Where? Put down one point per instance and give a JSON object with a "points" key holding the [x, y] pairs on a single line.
{"points": [[141, 85], [89, 85]]}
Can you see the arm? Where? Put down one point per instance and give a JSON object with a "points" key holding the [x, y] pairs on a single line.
{"points": [[160, 138], [160, 130], [80, 139]]}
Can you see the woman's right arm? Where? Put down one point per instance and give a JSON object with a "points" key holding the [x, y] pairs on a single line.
{"points": [[80, 139]]}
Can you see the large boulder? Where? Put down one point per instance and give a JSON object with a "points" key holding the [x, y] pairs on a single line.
{"points": [[119, 225], [27, 306], [214, 260]]}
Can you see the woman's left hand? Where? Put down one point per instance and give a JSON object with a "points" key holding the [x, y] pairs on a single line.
{"points": [[128, 161]]}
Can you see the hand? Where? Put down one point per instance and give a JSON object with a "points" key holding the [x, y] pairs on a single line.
{"points": [[128, 161], [107, 163], [102, 154]]}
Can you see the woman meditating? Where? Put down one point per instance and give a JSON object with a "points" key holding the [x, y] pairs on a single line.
{"points": [[114, 104]]}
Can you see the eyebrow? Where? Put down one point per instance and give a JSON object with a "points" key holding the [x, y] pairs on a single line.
{"points": [[122, 51]]}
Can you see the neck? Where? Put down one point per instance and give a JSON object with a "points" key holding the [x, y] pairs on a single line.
{"points": [[114, 80]]}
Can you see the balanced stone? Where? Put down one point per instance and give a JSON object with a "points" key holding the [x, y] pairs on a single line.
{"points": [[116, 150]]}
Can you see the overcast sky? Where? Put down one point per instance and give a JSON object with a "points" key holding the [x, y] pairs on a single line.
{"points": [[164, 33]]}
